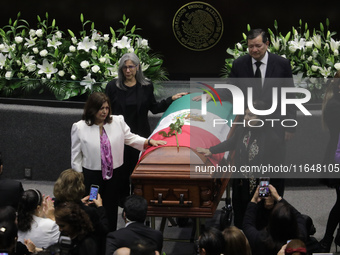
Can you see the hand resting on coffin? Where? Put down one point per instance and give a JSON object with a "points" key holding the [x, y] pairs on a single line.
{"points": [[205, 152]]}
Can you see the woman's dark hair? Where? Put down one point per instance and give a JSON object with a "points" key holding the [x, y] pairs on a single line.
{"points": [[93, 105], [282, 226], [8, 233], [28, 203], [77, 218], [212, 241]]}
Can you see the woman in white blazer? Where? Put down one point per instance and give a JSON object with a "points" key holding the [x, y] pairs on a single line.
{"points": [[97, 150]]}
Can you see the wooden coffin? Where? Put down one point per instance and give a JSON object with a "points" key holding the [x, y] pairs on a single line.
{"points": [[164, 179]]}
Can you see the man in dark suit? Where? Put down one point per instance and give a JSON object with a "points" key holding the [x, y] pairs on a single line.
{"points": [[134, 214], [274, 72], [262, 71], [10, 190]]}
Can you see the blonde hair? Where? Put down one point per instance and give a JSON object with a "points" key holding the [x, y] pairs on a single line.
{"points": [[236, 243], [69, 186]]}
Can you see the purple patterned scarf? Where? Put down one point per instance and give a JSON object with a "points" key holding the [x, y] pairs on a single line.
{"points": [[106, 156]]}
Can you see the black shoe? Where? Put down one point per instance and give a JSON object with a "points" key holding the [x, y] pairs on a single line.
{"points": [[337, 238], [325, 244]]}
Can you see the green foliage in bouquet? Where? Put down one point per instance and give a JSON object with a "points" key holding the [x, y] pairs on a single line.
{"points": [[175, 128], [313, 54], [65, 64]]}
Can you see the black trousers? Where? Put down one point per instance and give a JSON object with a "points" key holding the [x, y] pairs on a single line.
{"points": [[109, 190]]}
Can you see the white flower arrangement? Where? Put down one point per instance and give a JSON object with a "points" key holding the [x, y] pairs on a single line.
{"points": [[45, 58], [312, 54]]}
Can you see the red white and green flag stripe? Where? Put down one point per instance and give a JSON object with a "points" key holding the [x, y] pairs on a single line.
{"points": [[198, 130]]}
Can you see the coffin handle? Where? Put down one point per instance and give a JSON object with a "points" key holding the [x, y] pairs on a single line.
{"points": [[160, 198], [181, 199]]}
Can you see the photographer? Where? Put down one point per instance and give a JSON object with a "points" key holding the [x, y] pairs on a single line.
{"points": [[285, 223]]}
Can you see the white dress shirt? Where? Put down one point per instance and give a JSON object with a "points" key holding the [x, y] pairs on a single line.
{"points": [[263, 67]]}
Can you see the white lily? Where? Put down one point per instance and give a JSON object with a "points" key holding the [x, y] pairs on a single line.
{"points": [[4, 47], [317, 41], [334, 45], [30, 42], [53, 43], [337, 66], [31, 67], [276, 43], [87, 44], [297, 44], [325, 72], [123, 43], [28, 60], [47, 68], [144, 66], [141, 43], [112, 71], [88, 81], [95, 36], [2, 60]]}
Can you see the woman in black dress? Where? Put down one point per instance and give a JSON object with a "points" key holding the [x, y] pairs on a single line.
{"points": [[253, 146], [131, 95], [331, 120]]}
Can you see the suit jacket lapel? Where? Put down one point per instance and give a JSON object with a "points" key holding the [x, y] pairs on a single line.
{"points": [[270, 66], [269, 71]]}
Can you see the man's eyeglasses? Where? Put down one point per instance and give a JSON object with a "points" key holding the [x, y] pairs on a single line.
{"points": [[129, 67]]}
